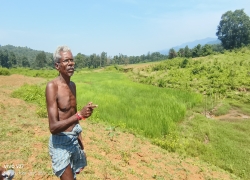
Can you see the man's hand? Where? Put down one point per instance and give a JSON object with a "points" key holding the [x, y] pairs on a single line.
{"points": [[87, 110]]}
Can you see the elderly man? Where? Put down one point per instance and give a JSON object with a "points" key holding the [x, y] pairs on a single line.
{"points": [[65, 144]]}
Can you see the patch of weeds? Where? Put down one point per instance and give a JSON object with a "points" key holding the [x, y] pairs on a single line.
{"points": [[2, 106], [131, 171], [26, 125], [98, 156], [170, 142], [15, 130], [25, 152], [44, 156], [245, 108], [112, 132], [126, 156], [4, 71], [116, 168], [106, 149], [89, 171], [158, 177], [148, 164], [93, 138], [223, 108]]}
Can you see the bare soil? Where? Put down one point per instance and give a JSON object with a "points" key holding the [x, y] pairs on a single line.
{"points": [[111, 155]]}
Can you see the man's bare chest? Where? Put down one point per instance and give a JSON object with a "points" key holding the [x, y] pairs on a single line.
{"points": [[66, 99]]}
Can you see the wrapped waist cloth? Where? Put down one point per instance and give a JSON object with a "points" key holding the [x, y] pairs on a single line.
{"points": [[64, 149]]}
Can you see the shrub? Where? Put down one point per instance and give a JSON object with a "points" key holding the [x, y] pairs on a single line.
{"points": [[4, 72]]}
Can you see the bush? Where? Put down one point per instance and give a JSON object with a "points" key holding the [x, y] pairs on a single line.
{"points": [[4, 72]]}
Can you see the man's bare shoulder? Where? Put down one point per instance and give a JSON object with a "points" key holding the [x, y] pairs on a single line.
{"points": [[52, 84]]}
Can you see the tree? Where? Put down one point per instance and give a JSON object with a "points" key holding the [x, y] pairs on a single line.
{"points": [[103, 59], [12, 60], [50, 60], [181, 52], [196, 51], [5, 59], [188, 52], [25, 62], [234, 29], [207, 50], [81, 61], [172, 54], [41, 60]]}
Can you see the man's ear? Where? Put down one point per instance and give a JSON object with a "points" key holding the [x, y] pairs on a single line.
{"points": [[57, 65]]}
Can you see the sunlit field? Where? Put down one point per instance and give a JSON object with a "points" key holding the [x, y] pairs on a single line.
{"points": [[200, 119], [145, 109]]}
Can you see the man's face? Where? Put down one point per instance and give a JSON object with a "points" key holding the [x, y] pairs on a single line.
{"points": [[66, 64]]}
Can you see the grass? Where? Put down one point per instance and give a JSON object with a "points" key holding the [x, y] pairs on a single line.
{"points": [[45, 73], [145, 109], [223, 143]]}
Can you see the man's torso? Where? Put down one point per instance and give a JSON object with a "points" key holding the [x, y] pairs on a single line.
{"points": [[66, 101]]}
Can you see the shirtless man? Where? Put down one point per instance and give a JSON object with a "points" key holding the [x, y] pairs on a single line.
{"points": [[65, 144]]}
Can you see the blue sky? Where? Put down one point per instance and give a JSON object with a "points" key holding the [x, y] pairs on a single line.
{"points": [[130, 27]]}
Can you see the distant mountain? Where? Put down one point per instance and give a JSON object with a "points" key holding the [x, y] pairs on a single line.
{"points": [[193, 44]]}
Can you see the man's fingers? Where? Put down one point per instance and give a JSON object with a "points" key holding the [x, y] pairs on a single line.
{"points": [[94, 106]]}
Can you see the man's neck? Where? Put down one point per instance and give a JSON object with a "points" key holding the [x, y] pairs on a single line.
{"points": [[64, 79]]}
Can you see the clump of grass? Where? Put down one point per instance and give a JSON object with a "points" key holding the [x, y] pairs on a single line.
{"points": [[4, 71], [45, 73], [223, 108], [35, 94]]}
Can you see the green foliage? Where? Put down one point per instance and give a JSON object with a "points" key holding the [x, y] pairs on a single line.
{"points": [[169, 142], [4, 58], [197, 51], [24, 57], [234, 29], [226, 75], [35, 73], [4, 71], [24, 62], [222, 108], [184, 63], [40, 60], [172, 54], [34, 94]]}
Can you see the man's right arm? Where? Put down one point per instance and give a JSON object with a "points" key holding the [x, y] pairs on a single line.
{"points": [[55, 125]]}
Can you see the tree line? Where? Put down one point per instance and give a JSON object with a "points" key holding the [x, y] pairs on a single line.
{"points": [[197, 51], [11, 57]]}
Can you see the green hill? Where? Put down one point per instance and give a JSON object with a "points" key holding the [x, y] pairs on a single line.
{"points": [[21, 52], [224, 75]]}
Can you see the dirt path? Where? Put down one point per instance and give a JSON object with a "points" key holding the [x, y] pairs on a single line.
{"points": [[117, 156]]}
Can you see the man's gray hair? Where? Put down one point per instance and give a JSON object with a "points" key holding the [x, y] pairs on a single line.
{"points": [[57, 54]]}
